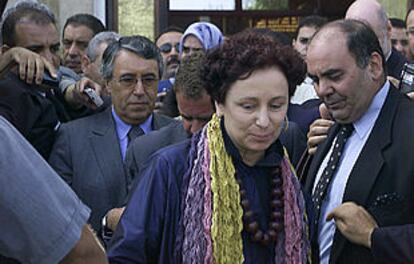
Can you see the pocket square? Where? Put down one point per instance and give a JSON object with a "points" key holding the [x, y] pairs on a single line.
{"points": [[386, 206], [386, 199]]}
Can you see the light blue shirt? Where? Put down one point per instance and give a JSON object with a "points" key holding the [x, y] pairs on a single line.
{"points": [[352, 149], [123, 128]]}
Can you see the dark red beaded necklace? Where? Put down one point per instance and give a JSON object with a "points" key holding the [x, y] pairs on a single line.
{"points": [[275, 224]]}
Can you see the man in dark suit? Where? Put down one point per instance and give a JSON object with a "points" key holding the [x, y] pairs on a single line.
{"points": [[88, 153], [347, 64]]}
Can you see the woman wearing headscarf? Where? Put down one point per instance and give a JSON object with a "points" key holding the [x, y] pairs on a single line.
{"points": [[201, 37], [228, 195]]}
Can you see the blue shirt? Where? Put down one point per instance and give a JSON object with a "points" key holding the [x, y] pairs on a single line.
{"points": [[352, 149], [123, 128]]}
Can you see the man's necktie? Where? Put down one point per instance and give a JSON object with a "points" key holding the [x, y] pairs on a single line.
{"points": [[320, 191], [134, 132]]}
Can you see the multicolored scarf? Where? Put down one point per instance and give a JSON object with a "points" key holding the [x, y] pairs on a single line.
{"points": [[212, 219]]}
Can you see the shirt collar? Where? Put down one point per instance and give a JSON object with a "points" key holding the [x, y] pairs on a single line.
{"points": [[363, 125], [123, 128]]}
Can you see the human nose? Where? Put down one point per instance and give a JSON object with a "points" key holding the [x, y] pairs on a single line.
{"points": [[263, 119], [322, 88], [138, 87], [73, 49], [196, 125]]}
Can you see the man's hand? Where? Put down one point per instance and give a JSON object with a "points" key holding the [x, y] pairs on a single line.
{"points": [[113, 216], [354, 222], [76, 97], [31, 66], [318, 130], [159, 103], [411, 95], [394, 81]]}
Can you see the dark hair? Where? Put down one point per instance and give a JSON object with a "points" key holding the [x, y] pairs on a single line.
{"points": [[360, 38], [168, 30], [311, 21], [139, 45], [87, 20], [282, 37], [187, 79], [242, 54], [397, 23], [35, 12]]}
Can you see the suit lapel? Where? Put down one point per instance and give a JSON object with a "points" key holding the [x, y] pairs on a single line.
{"points": [[369, 163], [105, 145]]}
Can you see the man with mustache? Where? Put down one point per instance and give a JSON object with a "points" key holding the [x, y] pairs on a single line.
{"points": [[88, 153], [168, 42]]}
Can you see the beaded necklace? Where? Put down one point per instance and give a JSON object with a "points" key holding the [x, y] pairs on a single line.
{"points": [[275, 224]]}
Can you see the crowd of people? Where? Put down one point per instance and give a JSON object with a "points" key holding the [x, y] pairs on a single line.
{"points": [[247, 148]]}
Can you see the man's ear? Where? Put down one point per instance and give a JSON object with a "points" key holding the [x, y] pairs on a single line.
{"points": [[389, 28], [376, 68], [85, 62]]}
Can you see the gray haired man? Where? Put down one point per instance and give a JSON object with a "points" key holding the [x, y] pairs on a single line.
{"points": [[89, 152]]}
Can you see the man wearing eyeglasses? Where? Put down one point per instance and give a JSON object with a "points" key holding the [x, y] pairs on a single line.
{"points": [[169, 42], [89, 152]]}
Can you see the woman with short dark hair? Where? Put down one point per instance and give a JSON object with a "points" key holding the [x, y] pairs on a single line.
{"points": [[228, 195]]}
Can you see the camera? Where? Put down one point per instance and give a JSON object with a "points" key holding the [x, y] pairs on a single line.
{"points": [[93, 96], [407, 78]]}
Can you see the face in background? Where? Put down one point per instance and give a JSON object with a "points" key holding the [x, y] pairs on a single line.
{"points": [[91, 69], [195, 113], [133, 87], [346, 89], [302, 40], [254, 110], [410, 34], [168, 43], [41, 39], [75, 41], [399, 40], [368, 13], [191, 44]]}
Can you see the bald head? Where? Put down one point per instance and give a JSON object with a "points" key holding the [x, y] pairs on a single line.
{"points": [[372, 13]]}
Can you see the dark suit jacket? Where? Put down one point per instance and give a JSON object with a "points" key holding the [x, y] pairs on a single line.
{"points": [[382, 177], [395, 64], [393, 244], [34, 113], [87, 156]]}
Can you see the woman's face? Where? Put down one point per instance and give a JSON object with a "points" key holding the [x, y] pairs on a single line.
{"points": [[191, 44], [254, 111]]}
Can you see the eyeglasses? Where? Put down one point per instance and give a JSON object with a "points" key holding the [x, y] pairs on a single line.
{"points": [[131, 81], [167, 47]]}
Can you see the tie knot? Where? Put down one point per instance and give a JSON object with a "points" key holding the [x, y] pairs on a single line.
{"points": [[346, 129], [134, 132]]}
